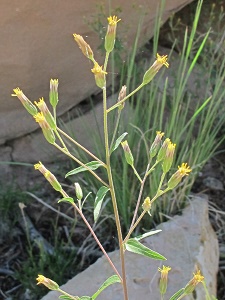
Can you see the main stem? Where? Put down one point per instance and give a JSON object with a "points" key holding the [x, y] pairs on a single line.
{"points": [[112, 191]]}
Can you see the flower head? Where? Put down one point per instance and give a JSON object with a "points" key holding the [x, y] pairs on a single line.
{"points": [[168, 160], [50, 284], [113, 20], [128, 154], [157, 65], [53, 93], [29, 106], [49, 176], [162, 60], [121, 96], [111, 33], [162, 151], [164, 279], [46, 113], [197, 278], [156, 144], [147, 204], [99, 75], [85, 48], [46, 129], [182, 171]]}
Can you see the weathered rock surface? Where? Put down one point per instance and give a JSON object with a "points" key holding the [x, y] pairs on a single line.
{"points": [[186, 241], [37, 44]]}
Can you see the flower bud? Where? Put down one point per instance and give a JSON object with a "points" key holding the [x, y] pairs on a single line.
{"points": [[164, 279], [122, 95], [176, 177], [49, 176], [99, 75], [46, 113], [29, 106], [85, 48], [168, 160], [147, 204], [153, 70], [127, 152], [111, 33], [156, 144], [46, 129], [78, 191], [50, 284], [53, 93], [162, 151], [190, 287]]}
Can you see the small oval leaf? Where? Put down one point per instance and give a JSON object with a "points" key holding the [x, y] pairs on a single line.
{"points": [[135, 246], [93, 165], [177, 294], [98, 201], [118, 141], [85, 298], [108, 282], [66, 199]]}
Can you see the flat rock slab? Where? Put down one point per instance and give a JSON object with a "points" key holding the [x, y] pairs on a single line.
{"points": [[186, 241]]}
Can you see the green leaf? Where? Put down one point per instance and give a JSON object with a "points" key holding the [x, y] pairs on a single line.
{"points": [[177, 294], [135, 246], [142, 236], [93, 165], [108, 282], [66, 199], [118, 141], [86, 298], [98, 201], [68, 297]]}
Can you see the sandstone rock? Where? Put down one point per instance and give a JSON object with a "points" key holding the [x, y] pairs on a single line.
{"points": [[37, 44], [186, 241]]}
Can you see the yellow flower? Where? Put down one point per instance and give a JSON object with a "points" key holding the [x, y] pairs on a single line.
{"points": [[29, 106], [49, 176], [157, 65], [168, 160], [46, 129], [147, 204], [99, 75], [50, 284], [182, 171], [113, 20], [46, 113], [162, 60], [164, 279], [111, 33], [197, 278]]}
